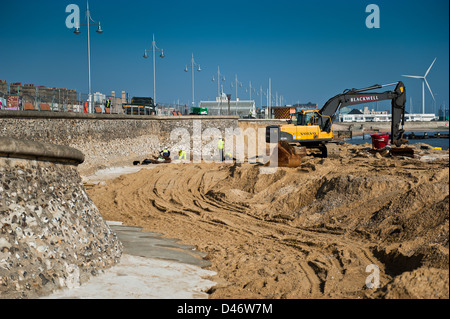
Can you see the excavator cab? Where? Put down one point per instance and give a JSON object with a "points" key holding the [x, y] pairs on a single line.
{"points": [[302, 118], [305, 118], [310, 118]]}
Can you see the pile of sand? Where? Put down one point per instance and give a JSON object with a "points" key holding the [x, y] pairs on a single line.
{"points": [[307, 232]]}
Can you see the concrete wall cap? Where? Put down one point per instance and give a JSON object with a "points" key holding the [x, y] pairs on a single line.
{"points": [[86, 116], [15, 148]]}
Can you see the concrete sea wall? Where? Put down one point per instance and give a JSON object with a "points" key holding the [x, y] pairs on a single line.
{"points": [[52, 235], [106, 140], [115, 140]]}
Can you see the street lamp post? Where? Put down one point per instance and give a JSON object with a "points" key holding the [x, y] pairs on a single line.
{"points": [[193, 65], [261, 93], [237, 84], [99, 31], [220, 77], [153, 50], [250, 89]]}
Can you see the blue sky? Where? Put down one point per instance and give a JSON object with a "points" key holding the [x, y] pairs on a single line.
{"points": [[311, 50]]}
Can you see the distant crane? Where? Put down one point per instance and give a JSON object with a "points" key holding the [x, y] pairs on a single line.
{"points": [[424, 81]]}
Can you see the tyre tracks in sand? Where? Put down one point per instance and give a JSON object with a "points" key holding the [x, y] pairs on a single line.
{"points": [[307, 232], [254, 256]]}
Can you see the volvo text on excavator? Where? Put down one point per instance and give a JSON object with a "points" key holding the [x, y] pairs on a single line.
{"points": [[314, 128]]}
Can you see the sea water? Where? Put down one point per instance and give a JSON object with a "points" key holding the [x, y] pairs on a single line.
{"points": [[434, 142]]}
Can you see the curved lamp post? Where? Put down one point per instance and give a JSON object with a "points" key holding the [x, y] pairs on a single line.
{"points": [[238, 83], [89, 22], [162, 56], [220, 77], [193, 65]]}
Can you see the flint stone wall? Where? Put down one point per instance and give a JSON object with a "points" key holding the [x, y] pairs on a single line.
{"points": [[107, 140], [52, 235]]}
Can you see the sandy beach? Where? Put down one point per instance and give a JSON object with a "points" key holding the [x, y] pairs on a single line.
{"points": [[317, 231]]}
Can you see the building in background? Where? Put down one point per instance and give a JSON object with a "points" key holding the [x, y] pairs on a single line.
{"points": [[43, 93], [367, 115], [421, 117], [117, 102], [2, 102], [99, 98], [3, 87], [284, 112], [20, 96], [306, 106], [223, 105], [3, 94], [31, 97], [443, 114]]}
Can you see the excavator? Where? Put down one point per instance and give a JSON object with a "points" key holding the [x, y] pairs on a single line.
{"points": [[313, 129]]}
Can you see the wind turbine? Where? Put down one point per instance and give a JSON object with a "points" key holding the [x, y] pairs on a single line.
{"points": [[424, 81]]}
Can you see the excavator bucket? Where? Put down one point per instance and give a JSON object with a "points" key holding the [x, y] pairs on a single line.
{"points": [[289, 156]]}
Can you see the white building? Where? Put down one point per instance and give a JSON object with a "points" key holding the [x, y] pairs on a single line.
{"points": [[221, 106], [356, 115], [2, 103], [421, 117], [99, 98]]}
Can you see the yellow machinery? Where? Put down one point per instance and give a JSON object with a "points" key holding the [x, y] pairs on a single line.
{"points": [[314, 128], [305, 126]]}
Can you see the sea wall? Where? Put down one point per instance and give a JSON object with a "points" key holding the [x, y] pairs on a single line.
{"points": [[52, 235], [114, 140], [107, 140]]}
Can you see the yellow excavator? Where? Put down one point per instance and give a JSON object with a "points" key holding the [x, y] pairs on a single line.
{"points": [[314, 128]]}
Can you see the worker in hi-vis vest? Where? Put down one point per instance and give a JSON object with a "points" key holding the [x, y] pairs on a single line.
{"points": [[221, 146], [165, 153], [182, 155]]}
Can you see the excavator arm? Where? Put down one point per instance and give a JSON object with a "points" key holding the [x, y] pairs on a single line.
{"points": [[360, 96]]}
